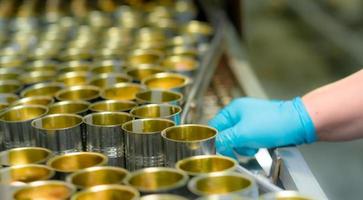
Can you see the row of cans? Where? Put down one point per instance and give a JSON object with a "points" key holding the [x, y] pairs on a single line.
{"points": [[207, 176]]}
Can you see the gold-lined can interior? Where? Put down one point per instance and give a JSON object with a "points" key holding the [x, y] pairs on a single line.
{"points": [[49, 190], [155, 111], [25, 173], [35, 100], [147, 126], [112, 106], [186, 133], [122, 91], [24, 155], [97, 176], [204, 164], [76, 161], [156, 179], [42, 89], [219, 183], [57, 122], [143, 72], [166, 81], [159, 96], [22, 113], [107, 119], [70, 107], [108, 192], [85, 93]]}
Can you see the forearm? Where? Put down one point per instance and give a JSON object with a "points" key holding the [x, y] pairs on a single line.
{"points": [[337, 109]]}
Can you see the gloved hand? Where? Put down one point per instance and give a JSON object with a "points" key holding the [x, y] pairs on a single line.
{"points": [[247, 124]]}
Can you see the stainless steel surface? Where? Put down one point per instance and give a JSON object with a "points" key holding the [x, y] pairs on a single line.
{"points": [[61, 133], [15, 123], [143, 143], [182, 141], [165, 111], [296, 175], [104, 135], [264, 183]]}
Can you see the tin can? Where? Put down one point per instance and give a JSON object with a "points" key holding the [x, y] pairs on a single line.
{"points": [[205, 164], [109, 79], [223, 183], [34, 77], [75, 66], [285, 195], [143, 143], [165, 111], [62, 133], [74, 78], [16, 128], [108, 192], [112, 106], [158, 180], [159, 96], [42, 89], [24, 155], [188, 140], [181, 64], [122, 91], [79, 92], [93, 176], [143, 71], [10, 86], [104, 135], [162, 197], [45, 190], [168, 81], [69, 163], [35, 100]]}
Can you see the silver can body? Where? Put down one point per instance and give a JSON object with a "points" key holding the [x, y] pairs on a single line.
{"points": [[106, 140], [61, 140], [143, 147], [105, 135]]}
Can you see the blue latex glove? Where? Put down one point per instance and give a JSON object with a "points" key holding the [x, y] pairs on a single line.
{"points": [[248, 124]]}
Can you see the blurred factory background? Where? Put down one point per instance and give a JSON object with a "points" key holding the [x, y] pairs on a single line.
{"points": [[295, 46]]}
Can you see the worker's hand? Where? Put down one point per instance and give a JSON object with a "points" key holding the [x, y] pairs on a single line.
{"points": [[248, 124]]}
